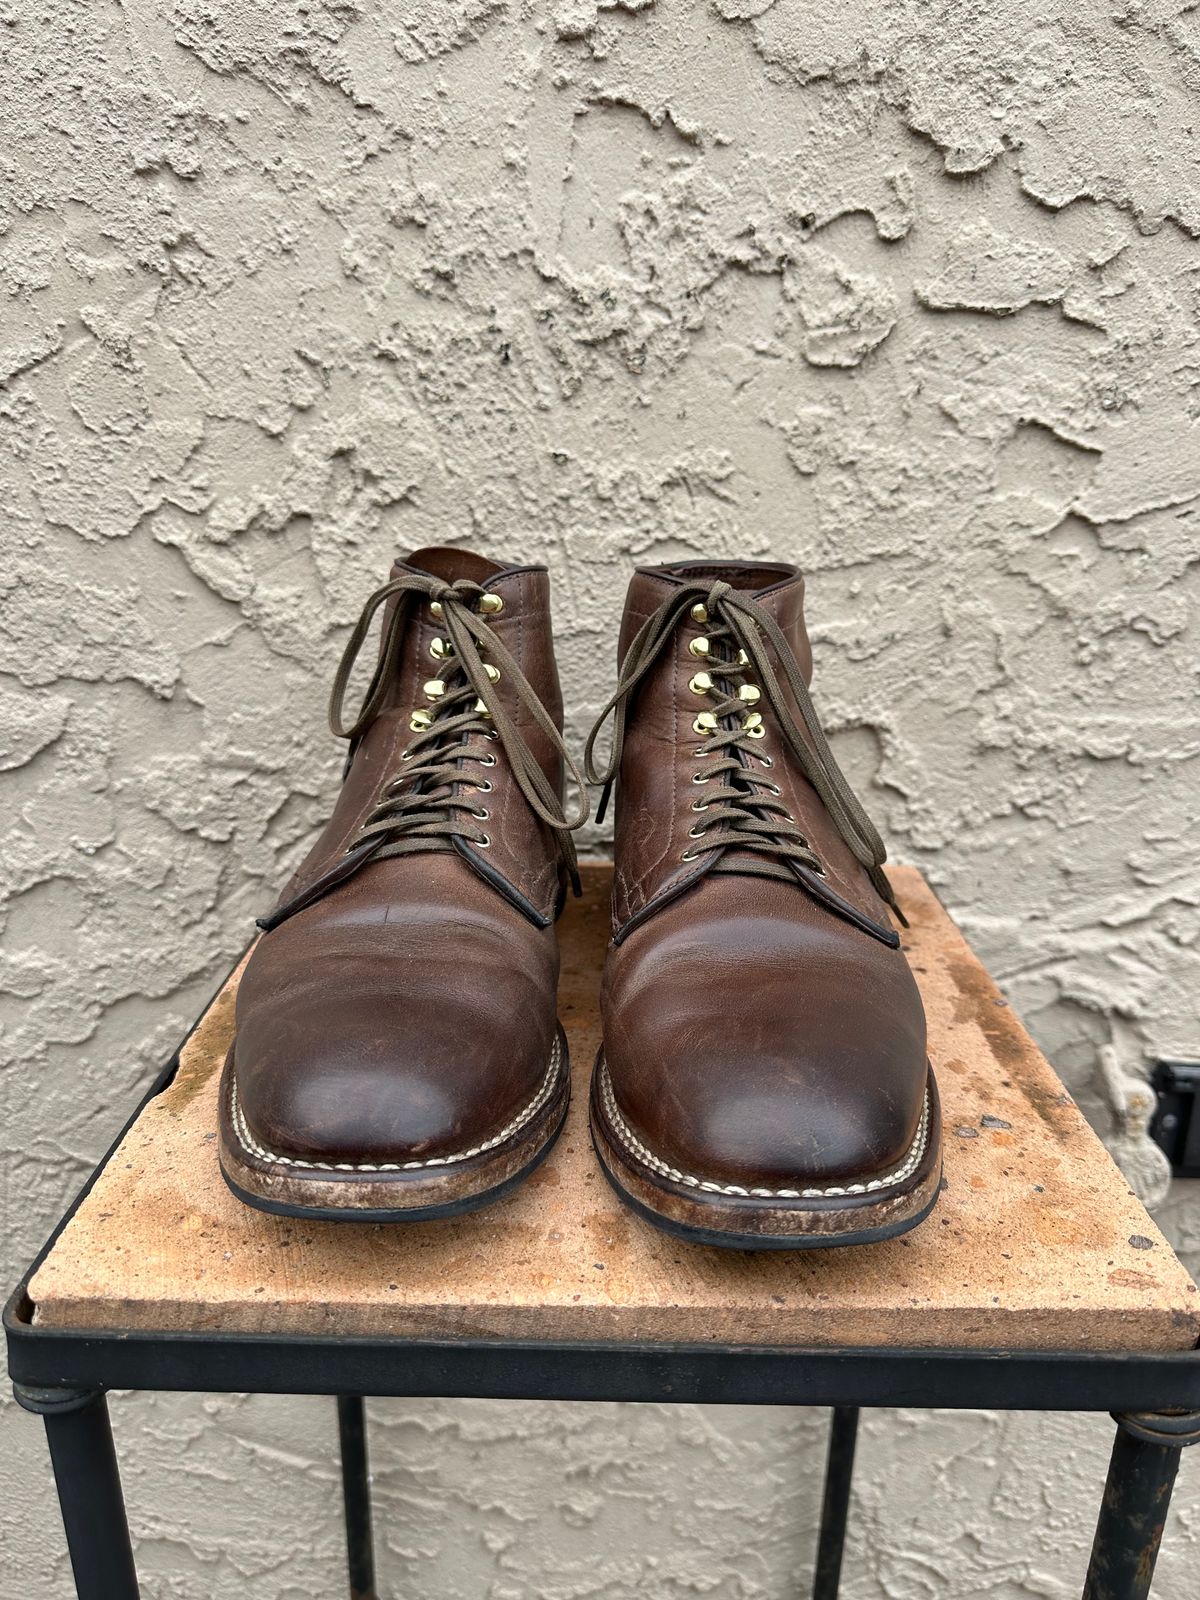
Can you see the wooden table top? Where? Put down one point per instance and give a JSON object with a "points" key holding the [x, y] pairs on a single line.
{"points": [[1036, 1243]]}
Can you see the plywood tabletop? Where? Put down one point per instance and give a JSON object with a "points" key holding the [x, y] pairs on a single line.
{"points": [[1036, 1242]]}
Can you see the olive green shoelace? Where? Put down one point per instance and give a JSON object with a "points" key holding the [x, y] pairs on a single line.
{"points": [[419, 809], [737, 805]]}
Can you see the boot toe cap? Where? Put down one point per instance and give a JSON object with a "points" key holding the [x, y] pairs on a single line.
{"points": [[796, 1070], [385, 1064]]}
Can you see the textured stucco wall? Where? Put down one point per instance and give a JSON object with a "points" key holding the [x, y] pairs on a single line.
{"points": [[907, 292]]}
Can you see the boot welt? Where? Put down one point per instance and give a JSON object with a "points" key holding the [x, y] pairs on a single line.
{"points": [[852, 1211], [393, 1191]]}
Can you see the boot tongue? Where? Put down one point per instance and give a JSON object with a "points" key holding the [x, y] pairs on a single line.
{"points": [[440, 561], [778, 589], [785, 602]]}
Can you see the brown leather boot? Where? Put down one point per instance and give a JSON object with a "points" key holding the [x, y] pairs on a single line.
{"points": [[763, 1081], [397, 1054]]}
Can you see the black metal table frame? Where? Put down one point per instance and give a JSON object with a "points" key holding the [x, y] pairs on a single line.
{"points": [[63, 1375]]}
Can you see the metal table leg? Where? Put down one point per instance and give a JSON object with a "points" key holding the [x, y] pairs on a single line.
{"points": [[356, 1493], [89, 1489], [1137, 1495], [839, 1474]]}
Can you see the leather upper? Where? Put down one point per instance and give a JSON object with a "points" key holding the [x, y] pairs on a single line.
{"points": [[756, 1031], [654, 815], [522, 851], [410, 1011]]}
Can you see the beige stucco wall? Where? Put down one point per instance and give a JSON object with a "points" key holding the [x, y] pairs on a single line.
{"points": [[905, 292]]}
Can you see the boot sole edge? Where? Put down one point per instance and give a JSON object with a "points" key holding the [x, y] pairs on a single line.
{"points": [[452, 1189], [744, 1223]]}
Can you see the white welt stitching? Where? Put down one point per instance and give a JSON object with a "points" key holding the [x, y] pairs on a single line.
{"points": [[250, 1144], [906, 1168]]}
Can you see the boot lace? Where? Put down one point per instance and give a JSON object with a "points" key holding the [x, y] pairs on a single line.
{"points": [[434, 799], [740, 806]]}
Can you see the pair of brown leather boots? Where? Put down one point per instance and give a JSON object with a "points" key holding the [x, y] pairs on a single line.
{"points": [[763, 1081]]}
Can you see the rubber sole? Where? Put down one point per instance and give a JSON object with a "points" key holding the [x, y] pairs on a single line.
{"points": [[434, 1213], [391, 1192], [877, 1210]]}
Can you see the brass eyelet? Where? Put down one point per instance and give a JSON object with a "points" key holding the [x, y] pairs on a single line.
{"points": [[698, 777], [701, 684], [750, 694], [433, 689], [406, 755], [439, 648], [485, 787], [699, 805], [697, 832], [767, 761], [491, 604], [486, 760], [482, 814], [705, 723], [492, 672], [485, 843], [436, 609], [420, 721], [688, 855], [480, 709], [699, 613], [699, 646]]}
